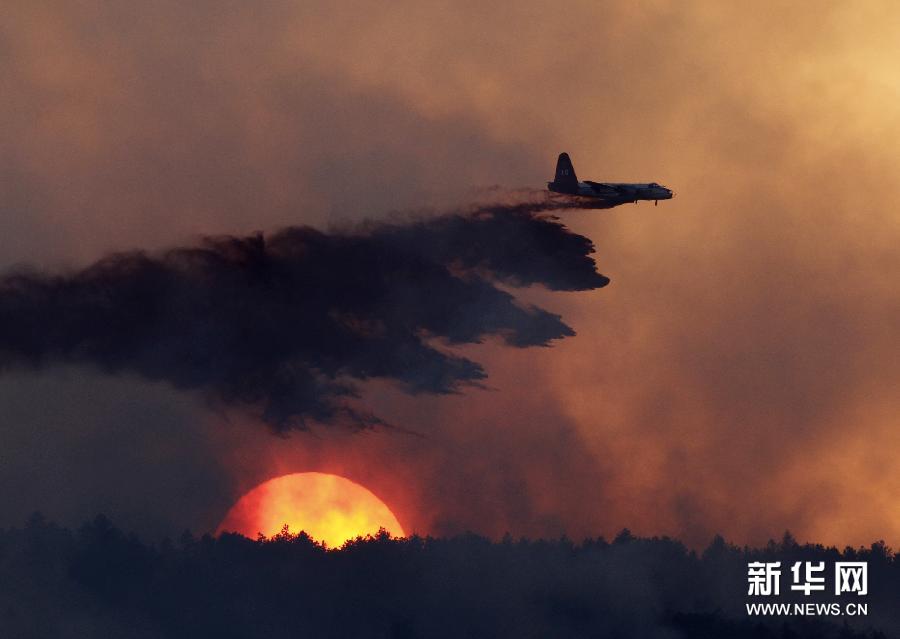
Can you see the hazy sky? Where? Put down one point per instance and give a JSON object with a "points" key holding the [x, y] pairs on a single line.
{"points": [[739, 375]]}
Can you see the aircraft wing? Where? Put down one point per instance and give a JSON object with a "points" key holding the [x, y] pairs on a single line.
{"points": [[607, 188]]}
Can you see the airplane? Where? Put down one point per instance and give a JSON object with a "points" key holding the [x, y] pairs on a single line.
{"points": [[613, 193]]}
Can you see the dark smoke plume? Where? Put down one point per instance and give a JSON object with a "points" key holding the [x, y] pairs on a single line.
{"points": [[285, 323]]}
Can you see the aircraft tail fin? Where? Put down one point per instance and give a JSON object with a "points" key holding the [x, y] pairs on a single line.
{"points": [[565, 172]]}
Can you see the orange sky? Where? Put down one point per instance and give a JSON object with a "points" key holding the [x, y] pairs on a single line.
{"points": [[740, 373]]}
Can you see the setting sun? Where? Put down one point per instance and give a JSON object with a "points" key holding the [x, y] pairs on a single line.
{"points": [[328, 508]]}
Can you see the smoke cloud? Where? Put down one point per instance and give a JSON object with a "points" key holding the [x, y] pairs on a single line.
{"points": [[740, 377], [286, 323]]}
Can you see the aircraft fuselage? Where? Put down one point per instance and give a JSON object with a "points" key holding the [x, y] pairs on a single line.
{"points": [[615, 190], [567, 183]]}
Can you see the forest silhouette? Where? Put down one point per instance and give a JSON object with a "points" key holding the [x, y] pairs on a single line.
{"points": [[100, 581]]}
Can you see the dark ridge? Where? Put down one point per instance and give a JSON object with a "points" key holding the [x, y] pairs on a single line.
{"points": [[99, 581]]}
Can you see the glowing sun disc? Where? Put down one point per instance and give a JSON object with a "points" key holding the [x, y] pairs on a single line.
{"points": [[327, 507]]}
